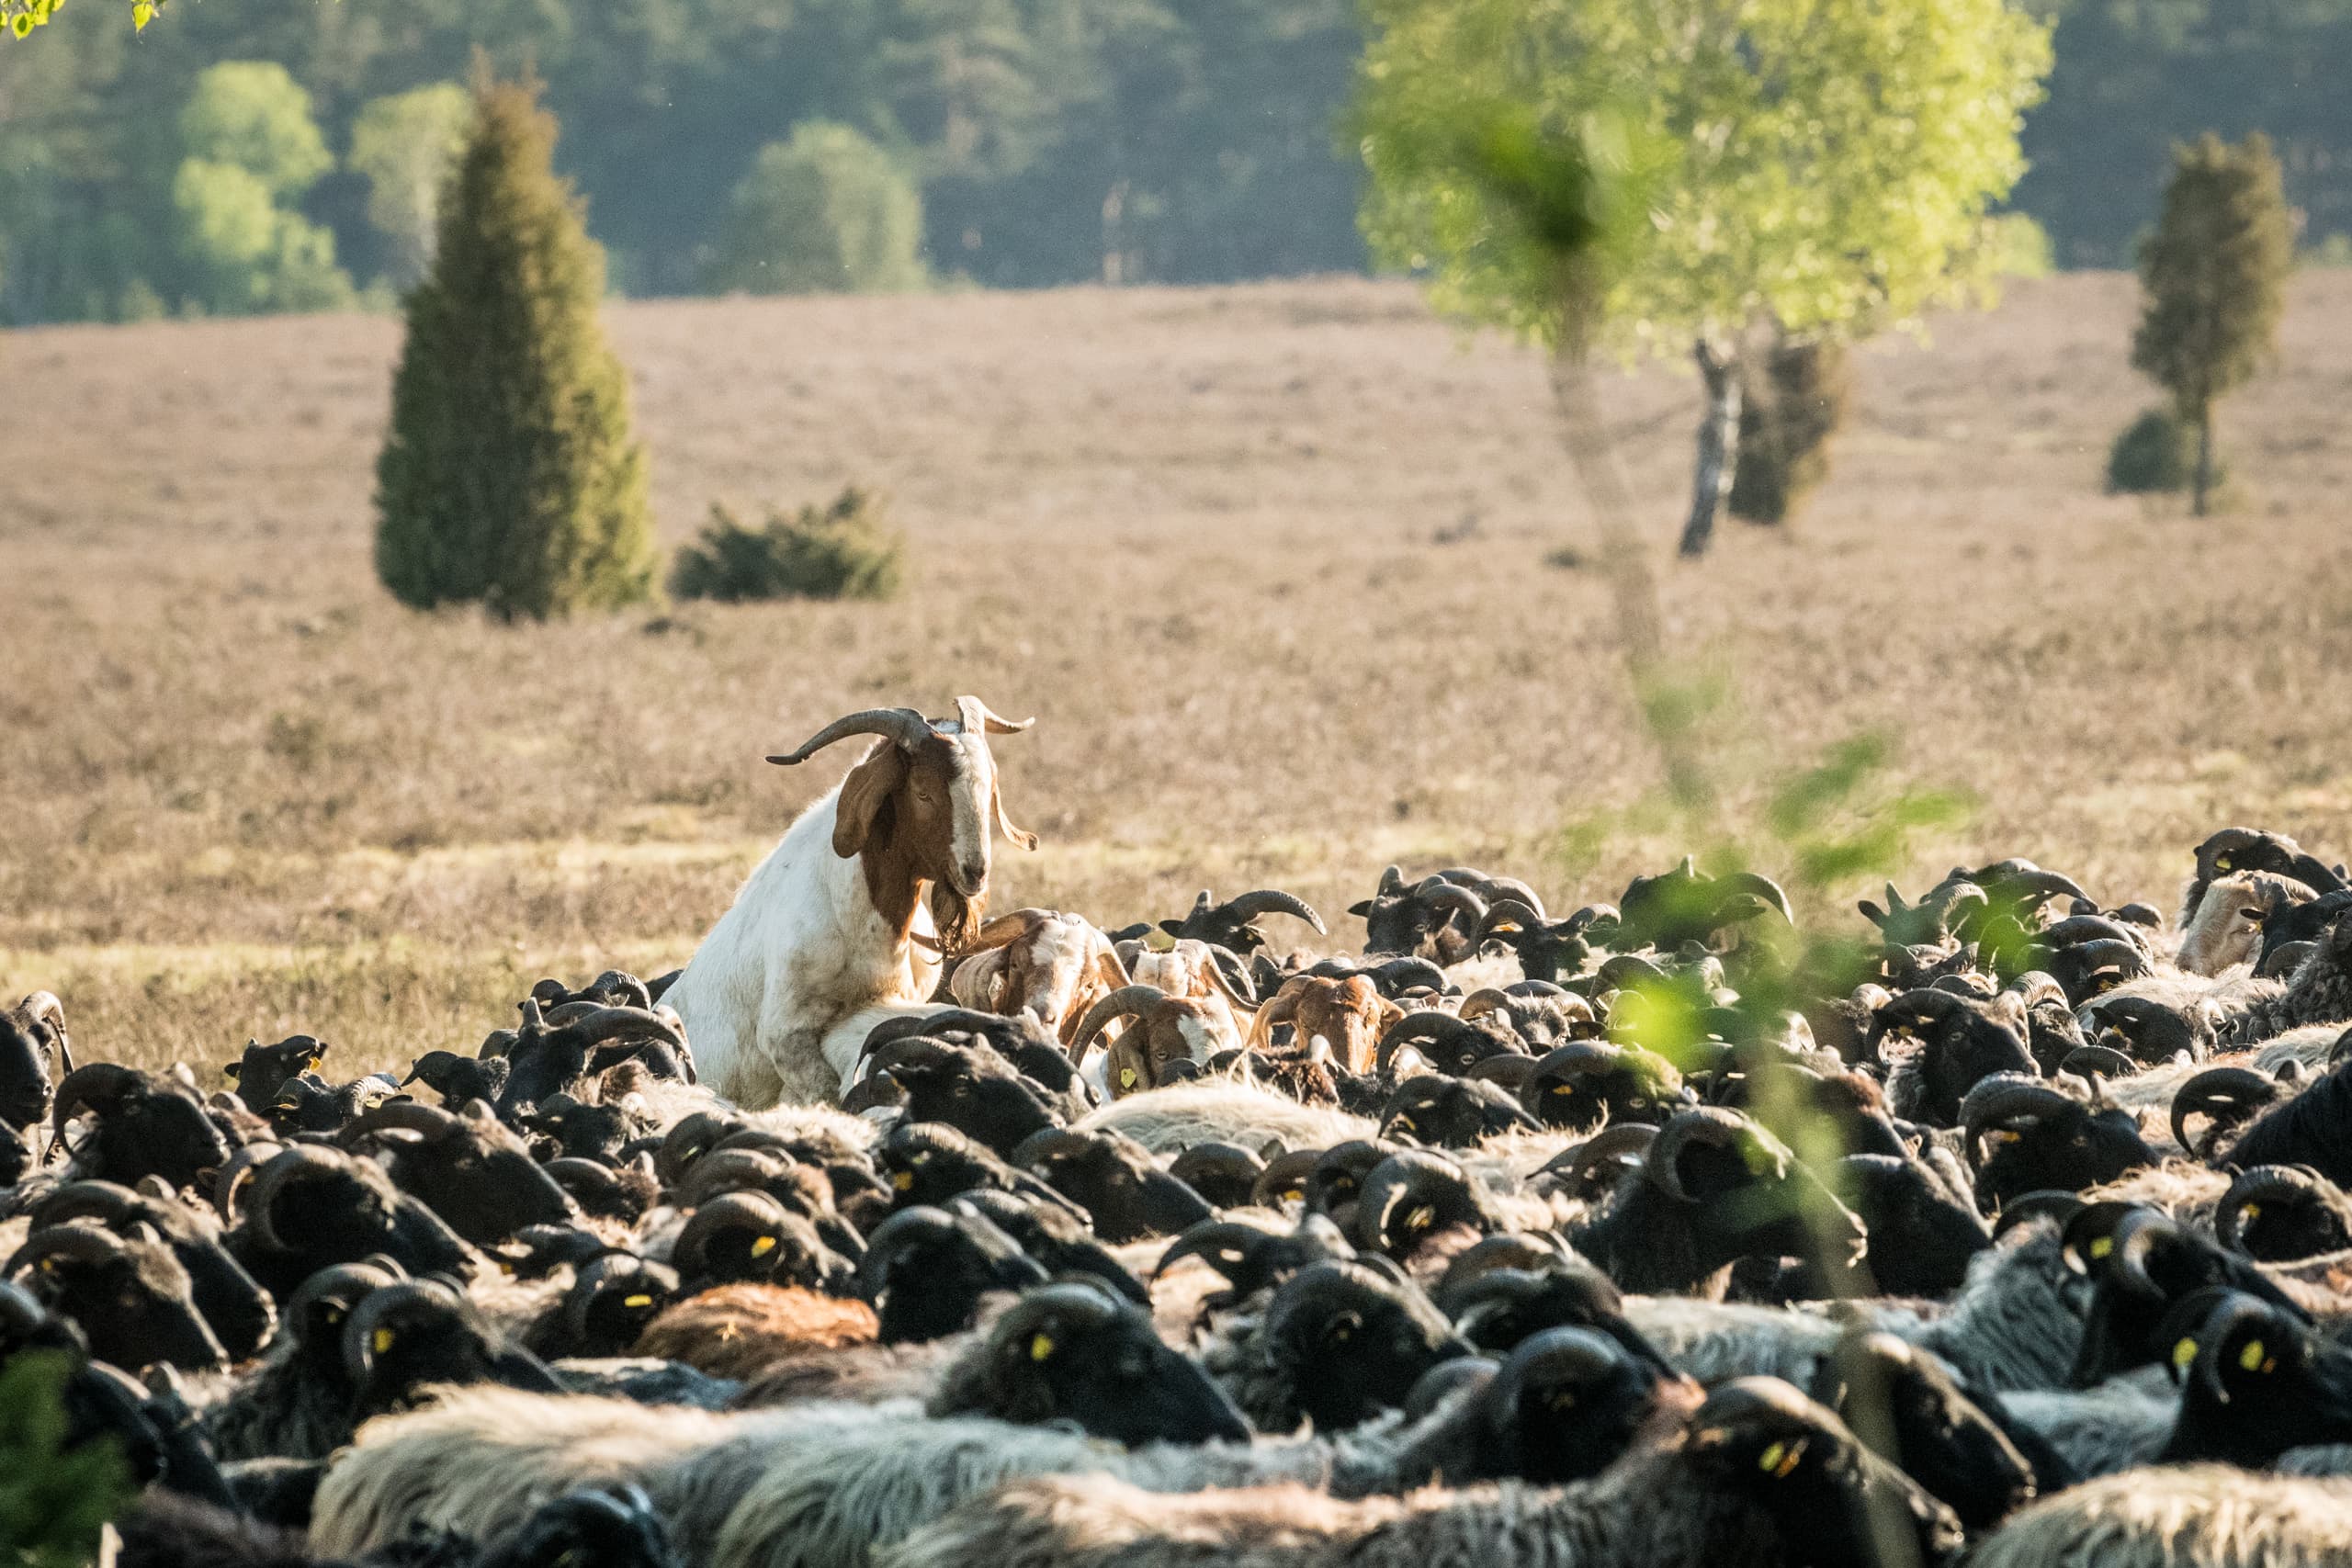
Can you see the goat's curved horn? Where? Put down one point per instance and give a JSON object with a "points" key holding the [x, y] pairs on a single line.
{"points": [[2228, 1095], [1124, 1002], [977, 720], [1006, 928], [1273, 901], [904, 725], [2262, 1184]]}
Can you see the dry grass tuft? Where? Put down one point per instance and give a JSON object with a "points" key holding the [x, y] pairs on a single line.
{"points": [[1266, 562]]}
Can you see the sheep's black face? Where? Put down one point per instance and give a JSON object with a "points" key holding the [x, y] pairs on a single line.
{"points": [[1126, 1196], [25, 1089], [157, 1132], [1564, 1405], [131, 1298], [2146, 1029], [1960, 1042], [1920, 1238], [1449, 1113], [2287, 1226], [925, 1168], [927, 1269], [2256, 1381], [1076, 1353], [1798, 1463], [1939, 1434], [976, 1092], [2066, 1152], [265, 1069], [1352, 1342]]}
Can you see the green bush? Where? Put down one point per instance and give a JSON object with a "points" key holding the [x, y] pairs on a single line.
{"points": [[510, 477], [53, 1498], [826, 212], [844, 551], [2156, 455], [2021, 246]]}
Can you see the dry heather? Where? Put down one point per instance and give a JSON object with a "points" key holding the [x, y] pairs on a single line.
{"points": [[1196, 533]]}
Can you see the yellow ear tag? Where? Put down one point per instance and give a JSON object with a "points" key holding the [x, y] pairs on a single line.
{"points": [[1295, 1193], [1126, 1078], [637, 1301], [2249, 1214], [1564, 1089], [1770, 1459], [383, 1341], [763, 1246], [1796, 1452], [1407, 1122], [2251, 1357], [2221, 863], [904, 1180], [2184, 1354], [1420, 1219], [2101, 1247], [1041, 1346], [312, 1065], [1563, 1400]]}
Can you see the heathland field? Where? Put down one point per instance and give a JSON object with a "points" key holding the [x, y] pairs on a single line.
{"points": [[1267, 563]]}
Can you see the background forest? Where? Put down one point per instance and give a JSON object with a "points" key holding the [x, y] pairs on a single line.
{"points": [[1020, 142]]}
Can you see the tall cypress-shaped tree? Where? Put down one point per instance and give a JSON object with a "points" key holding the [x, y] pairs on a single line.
{"points": [[2215, 272], [510, 477]]}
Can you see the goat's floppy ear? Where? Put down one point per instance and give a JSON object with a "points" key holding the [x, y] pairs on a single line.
{"points": [[869, 785]]}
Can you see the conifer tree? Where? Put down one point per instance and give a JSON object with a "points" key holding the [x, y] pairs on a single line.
{"points": [[510, 477], [2214, 274]]}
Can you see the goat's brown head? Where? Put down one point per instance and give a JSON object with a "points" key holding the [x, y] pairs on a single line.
{"points": [[919, 807]]}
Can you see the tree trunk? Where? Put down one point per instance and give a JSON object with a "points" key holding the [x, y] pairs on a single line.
{"points": [[1114, 237], [1718, 446], [2204, 481]]}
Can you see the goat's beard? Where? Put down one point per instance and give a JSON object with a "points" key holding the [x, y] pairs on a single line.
{"points": [[956, 918]]}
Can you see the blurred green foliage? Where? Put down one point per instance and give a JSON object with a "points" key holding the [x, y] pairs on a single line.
{"points": [[53, 1500], [404, 144], [828, 211]]}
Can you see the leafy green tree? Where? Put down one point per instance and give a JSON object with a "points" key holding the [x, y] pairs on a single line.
{"points": [[405, 144], [510, 477], [825, 212], [253, 115], [2214, 275], [1822, 167], [21, 17]]}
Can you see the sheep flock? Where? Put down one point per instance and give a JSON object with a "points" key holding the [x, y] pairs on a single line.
{"points": [[1639, 1236]]}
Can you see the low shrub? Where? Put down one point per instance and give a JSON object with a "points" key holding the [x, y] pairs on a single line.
{"points": [[2156, 455], [841, 551]]}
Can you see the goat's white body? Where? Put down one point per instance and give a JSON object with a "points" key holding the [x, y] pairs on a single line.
{"points": [[802, 950]]}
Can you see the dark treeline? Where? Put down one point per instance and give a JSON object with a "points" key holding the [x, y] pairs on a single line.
{"points": [[1053, 140]]}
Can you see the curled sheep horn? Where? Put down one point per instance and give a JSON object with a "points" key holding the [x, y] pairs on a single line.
{"points": [[1412, 1029], [904, 727], [2227, 1095], [2004, 1098], [1273, 901], [42, 1007], [1510, 1069], [233, 1173], [301, 1162], [1709, 1126], [1127, 1002], [2099, 1062], [1750, 883], [751, 1212], [109, 1203], [429, 1122], [1621, 1142], [2263, 1185], [75, 1244], [1508, 913], [99, 1086], [1285, 1175], [1451, 897]]}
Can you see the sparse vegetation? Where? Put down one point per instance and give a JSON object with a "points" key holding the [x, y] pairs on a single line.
{"points": [[844, 550], [511, 478], [1188, 529]]}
